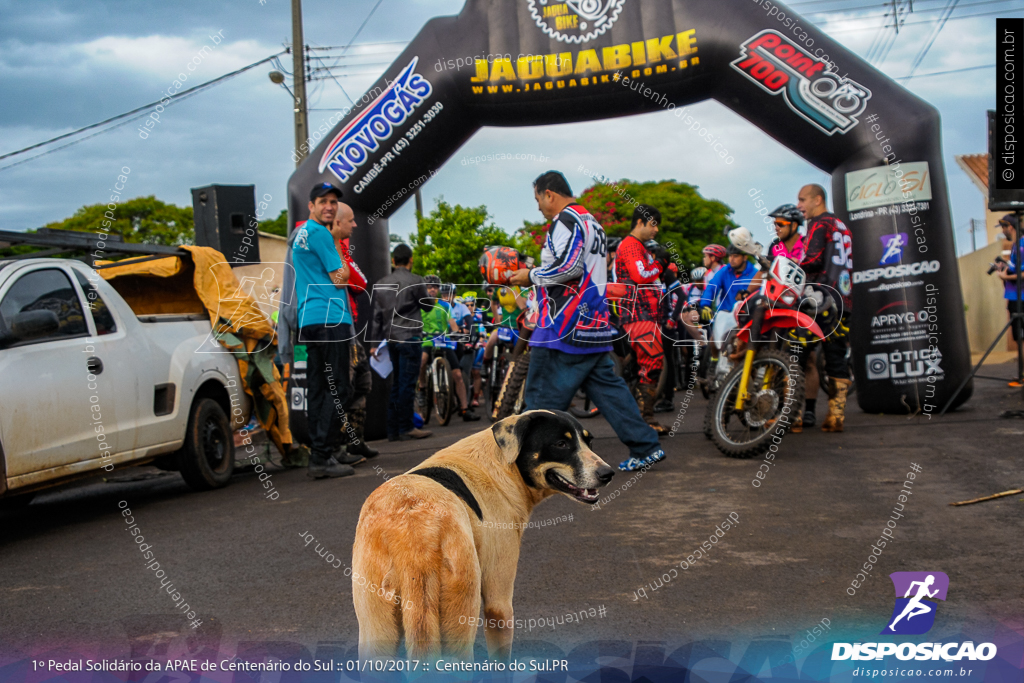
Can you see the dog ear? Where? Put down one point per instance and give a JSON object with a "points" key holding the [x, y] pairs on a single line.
{"points": [[508, 435]]}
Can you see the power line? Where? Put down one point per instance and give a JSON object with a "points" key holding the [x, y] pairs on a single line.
{"points": [[918, 23], [138, 109], [950, 6], [97, 133], [889, 4], [942, 73]]}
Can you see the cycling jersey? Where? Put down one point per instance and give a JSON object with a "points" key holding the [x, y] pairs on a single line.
{"points": [[506, 300], [796, 253], [435, 322], [573, 315], [356, 279], [635, 266], [726, 287], [828, 260], [710, 273]]}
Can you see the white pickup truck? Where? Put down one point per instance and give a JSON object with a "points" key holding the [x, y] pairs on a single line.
{"points": [[86, 385]]}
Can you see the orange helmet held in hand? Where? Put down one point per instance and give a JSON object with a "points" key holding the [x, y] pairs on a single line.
{"points": [[498, 263]]}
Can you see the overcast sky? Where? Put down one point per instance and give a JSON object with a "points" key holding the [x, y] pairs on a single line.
{"points": [[64, 65]]}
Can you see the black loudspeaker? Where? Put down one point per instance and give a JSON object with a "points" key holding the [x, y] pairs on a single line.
{"points": [[1005, 167], [225, 219]]}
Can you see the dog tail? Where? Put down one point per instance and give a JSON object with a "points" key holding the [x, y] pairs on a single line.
{"points": [[421, 612]]}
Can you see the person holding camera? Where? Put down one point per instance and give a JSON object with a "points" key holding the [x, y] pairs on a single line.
{"points": [[1007, 272], [639, 262]]}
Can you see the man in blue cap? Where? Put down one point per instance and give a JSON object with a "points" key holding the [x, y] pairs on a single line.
{"points": [[325, 327]]}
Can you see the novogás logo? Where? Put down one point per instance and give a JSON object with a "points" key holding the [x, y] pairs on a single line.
{"points": [[915, 614], [351, 147], [778, 65]]}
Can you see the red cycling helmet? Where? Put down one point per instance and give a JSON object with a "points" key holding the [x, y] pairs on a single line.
{"points": [[715, 251]]}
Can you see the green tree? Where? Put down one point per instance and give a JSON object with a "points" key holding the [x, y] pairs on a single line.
{"points": [[689, 222], [449, 240], [276, 226], [145, 220]]}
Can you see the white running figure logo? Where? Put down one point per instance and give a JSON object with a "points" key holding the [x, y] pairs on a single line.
{"points": [[895, 247], [915, 606]]}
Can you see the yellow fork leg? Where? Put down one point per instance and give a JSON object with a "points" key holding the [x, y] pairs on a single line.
{"points": [[741, 395]]}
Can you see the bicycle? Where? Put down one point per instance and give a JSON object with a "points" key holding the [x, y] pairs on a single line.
{"points": [[440, 389], [503, 350]]}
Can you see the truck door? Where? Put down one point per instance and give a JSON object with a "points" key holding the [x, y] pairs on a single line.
{"points": [[47, 405]]}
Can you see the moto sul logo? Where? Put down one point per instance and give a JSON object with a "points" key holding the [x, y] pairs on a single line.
{"points": [[575, 21], [778, 65], [904, 364], [892, 248]]}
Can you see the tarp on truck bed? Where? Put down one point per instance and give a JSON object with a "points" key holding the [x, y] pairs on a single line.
{"points": [[206, 284]]}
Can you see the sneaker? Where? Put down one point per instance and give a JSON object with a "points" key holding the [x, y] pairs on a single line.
{"points": [[361, 448], [809, 419], [1016, 384], [416, 434], [656, 456], [664, 406], [631, 464], [469, 416], [332, 468], [350, 459]]}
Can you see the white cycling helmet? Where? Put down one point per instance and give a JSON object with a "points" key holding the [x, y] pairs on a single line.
{"points": [[744, 241]]}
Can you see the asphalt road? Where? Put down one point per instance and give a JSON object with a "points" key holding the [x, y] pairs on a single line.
{"points": [[71, 576]]}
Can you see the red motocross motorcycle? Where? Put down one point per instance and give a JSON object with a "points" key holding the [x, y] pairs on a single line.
{"points": [[758, 382]]}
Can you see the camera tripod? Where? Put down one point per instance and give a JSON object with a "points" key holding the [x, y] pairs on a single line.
{"points": [[1017, 317]]}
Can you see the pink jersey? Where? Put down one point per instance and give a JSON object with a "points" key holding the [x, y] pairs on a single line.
{"points": [[796, 254]]}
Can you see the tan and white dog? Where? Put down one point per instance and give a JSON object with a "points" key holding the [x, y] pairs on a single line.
{"points": [[422, 544]]}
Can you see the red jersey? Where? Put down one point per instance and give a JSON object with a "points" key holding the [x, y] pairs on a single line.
{"points": [[356, 279], [634, 265], [828, 262]]}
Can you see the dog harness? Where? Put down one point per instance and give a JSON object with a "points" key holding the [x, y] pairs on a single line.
{"points": [[453, 482]]}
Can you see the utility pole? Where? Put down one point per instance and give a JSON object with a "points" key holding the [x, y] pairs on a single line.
{"points": [[974, 244], [299, 81]]}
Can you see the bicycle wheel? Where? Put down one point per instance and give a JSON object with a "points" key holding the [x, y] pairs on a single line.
{"points": [[773, 385], [499, 368], [511, 401], [444, 391], [428, 398]]}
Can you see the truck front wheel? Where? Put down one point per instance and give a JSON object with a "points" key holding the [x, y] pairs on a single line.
{"points": [[207, 459]]}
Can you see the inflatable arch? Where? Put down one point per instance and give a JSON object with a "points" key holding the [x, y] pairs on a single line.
{"points": [[533, 62]]}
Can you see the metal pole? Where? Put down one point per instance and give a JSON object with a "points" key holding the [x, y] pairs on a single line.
{"points": [[419, 207], [974, 245], [299, 81]]}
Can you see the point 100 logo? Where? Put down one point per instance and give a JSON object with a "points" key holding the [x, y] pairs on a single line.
{"points": [[778, 65]]}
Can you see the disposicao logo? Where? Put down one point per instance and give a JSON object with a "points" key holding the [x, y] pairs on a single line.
{"points": [[914, 614], [778, 65], [892, 248], [351, 147]]}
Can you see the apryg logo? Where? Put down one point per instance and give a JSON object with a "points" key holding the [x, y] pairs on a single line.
{"points": [[778, 65], [915, 614], [575, 21]]}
